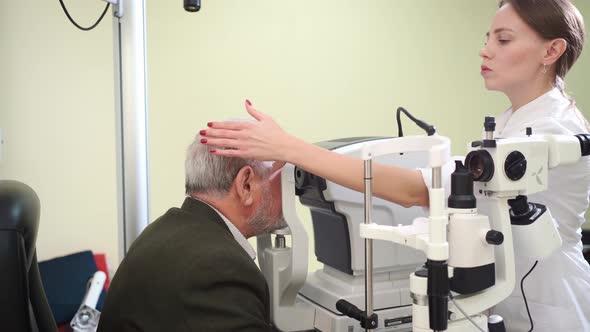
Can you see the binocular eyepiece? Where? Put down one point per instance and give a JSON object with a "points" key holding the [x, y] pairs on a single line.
{"points": [[480, 164]]}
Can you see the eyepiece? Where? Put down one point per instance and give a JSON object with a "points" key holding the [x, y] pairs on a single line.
{"points": [[481, 165], [489, 123]]}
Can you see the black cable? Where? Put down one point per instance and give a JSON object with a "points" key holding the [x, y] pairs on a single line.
{"points": [[430, 130], [76, 24], [524, 297], [400, 132]]}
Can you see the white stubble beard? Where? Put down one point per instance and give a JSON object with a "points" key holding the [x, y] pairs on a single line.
{"points": [[261, 220]]}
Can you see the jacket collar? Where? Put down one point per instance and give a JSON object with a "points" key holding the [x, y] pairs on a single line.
{"points": [[514, 121], [200, 209]]}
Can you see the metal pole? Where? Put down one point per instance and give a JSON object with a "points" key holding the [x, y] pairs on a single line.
{"points": [[131, 120], [436, 177], [436, 184], [368, 242]]}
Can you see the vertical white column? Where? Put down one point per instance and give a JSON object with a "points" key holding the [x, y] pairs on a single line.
{"points": [[131, 120]]}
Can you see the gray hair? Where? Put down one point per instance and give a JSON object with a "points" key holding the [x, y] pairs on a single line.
{"points": [[211, 174]]}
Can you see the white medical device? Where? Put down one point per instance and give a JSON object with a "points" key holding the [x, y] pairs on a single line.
{"points": [[468, 245], [86, 319], [458, 241], [307, 302]]}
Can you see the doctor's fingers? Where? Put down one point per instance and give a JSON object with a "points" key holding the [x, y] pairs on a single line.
{"points": [[223, 133], [229, 152], [222, 144], [230, 125], [256, 114]]}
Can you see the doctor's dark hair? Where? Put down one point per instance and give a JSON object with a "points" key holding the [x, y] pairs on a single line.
{"points": [[211, 174], [553, 19]]}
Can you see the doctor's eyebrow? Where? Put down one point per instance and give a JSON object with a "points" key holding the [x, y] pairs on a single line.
{"points": [[497, 31]]}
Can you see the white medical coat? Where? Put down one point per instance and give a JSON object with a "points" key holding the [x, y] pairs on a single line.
{"points": [[558, 289]]}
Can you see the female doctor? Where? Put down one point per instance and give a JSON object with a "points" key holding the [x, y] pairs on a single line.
{"points": [[530, 47]]}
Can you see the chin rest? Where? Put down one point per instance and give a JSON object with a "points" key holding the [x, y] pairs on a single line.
{"points": [[24, 305]]}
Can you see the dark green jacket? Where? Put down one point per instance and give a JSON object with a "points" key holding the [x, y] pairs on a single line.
{"points": [[186, 272]]}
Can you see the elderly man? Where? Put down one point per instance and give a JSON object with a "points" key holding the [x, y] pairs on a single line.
{"points": [[193, 269]]}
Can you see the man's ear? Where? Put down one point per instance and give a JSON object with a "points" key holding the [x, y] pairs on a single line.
{"points": [[554, 50], [244, 185]]}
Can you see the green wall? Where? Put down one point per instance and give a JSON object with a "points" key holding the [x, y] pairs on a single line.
{"points": [[323, 69]]}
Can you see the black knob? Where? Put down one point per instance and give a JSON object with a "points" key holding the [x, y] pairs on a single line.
{"points": [[515, 165], [494, 237], [519, 206], [529, 131], [489, 123], [584, 144], [496, 324]]}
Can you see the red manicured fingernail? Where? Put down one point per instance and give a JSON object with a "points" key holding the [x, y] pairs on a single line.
{"points": [[248, 102], [209, 124], [203, 132], [212, 151], [203, 140]]}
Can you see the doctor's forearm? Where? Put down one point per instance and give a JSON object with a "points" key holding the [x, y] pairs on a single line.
{"points": [[399, 185]]}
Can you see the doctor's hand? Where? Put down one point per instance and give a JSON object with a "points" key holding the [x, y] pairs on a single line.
{"points": [[262, 139]]}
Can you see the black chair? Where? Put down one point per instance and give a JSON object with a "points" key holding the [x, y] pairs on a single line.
{"points": [[23, 304]]}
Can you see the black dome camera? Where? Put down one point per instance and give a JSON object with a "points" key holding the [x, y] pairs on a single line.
{"points": [[192, 5]]}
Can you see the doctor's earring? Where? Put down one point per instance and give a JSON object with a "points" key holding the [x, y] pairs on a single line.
{"points": [[544, 68]]}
